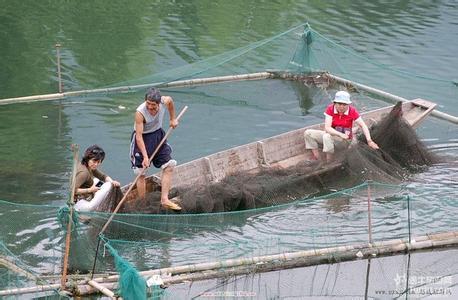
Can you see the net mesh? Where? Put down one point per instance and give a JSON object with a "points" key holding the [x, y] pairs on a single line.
{"points": [[248, 215]]}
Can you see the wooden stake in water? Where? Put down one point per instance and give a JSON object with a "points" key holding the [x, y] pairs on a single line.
{"points": [[369, 217], [58, 68], [75, 149]]}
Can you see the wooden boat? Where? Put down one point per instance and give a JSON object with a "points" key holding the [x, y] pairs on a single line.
{"points": [[284, 150]]}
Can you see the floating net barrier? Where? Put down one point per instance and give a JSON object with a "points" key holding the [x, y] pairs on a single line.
{"points": [[300, 49], [145, 242]]}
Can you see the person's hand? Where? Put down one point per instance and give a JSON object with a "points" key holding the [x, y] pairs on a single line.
{"points": [[145, 162], [345, 135], [173, 123], [115, 183], [373, 144], [93, 189]]}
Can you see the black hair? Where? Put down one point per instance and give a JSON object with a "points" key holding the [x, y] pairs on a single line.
{"points": [[93, 152], [153, 94]]}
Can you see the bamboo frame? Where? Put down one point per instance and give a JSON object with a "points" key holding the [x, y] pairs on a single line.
{"points": [[232, 267], [125, 89], [208, 80], [392, 98]]}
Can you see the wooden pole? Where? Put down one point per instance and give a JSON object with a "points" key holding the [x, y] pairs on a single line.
{"points": [[369, 214], [368, 272], [169, 131], [58, 67], [63, 282], [408, 218]]}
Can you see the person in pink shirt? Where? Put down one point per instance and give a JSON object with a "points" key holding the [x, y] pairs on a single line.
{"points": [[338, 128]]}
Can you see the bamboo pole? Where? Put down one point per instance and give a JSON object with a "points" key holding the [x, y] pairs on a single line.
{"points": [[104, 290], [29, 290], [169, 131], [75, 149], [13, 267], [268, 262], [124, 89], [392, 98]]}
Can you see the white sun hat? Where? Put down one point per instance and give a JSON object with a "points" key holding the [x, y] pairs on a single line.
{"points": [[342, 97]]}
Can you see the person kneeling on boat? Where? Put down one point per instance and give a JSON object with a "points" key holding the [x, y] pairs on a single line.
{"points": [[91, 185], [338, 124], [146, 137]]}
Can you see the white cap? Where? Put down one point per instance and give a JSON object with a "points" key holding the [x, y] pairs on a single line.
{"points": [[342, 97]]}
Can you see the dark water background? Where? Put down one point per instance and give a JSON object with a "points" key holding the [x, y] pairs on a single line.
{"points": [[106, 43]]}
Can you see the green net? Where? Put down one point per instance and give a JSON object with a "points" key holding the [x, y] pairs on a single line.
{"points": [[145, 242], [300, 49]]}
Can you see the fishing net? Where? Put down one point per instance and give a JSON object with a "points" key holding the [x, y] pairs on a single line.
{"points": [[278, 210], [136, 243], [400, 151]]}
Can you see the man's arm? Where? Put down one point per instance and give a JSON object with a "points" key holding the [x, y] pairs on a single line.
{"points": [[168, 101], [139, 138], [367, 133], [328, 128]]}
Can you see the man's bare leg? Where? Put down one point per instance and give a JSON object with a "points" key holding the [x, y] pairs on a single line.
{"points": [[166, 179], [166, 182], [141, 187]]}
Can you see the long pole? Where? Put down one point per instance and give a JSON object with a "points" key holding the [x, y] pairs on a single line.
{"points": [[58, 68], [130, 88], [391, 97], [63, 282], [408, 218], [169, 131], [369, 216], [368, 272]]}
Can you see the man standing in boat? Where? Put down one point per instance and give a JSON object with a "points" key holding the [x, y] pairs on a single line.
{"points": [[146, 137], [338, 128]]}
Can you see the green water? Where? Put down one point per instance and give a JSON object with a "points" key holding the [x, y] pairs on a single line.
{"points": [[109, 43]]}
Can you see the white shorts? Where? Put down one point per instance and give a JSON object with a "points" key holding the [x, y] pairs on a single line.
{"points": [[171, 163]]}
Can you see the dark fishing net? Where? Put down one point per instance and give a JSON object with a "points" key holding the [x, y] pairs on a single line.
{"points": [[400, 142], [244, 190], [401, 153], [109, 204]]}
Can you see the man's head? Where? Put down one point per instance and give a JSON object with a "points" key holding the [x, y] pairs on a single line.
{"points": [[153, 95], [152, 100]]}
